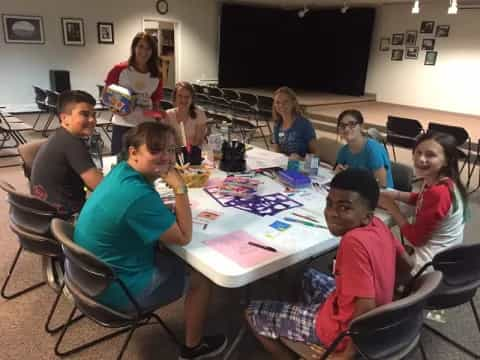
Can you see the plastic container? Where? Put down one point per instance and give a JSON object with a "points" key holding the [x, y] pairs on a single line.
{"points": [[293, 178]]}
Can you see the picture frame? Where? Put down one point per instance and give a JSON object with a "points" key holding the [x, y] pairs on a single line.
{"points": [[73, 32], [411, 37], [428, 44], [105, 33], [427, 27], [397, 55], [411, 53], [384, 44], [442, 31], [23, 29], [431, 58], [397, 39]]}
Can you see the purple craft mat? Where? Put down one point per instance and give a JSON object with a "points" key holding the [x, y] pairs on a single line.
{"points": [[270, 204], [213, 191]]}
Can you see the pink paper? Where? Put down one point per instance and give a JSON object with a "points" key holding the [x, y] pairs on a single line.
{"points": [[235, 246], [214, 182]]}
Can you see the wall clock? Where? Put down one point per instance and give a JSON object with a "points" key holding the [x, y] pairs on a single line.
{"points": [[162, 6]]}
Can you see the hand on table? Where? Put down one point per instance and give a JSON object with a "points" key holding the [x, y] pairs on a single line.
{"points": [[340, 168], [295, 156]]}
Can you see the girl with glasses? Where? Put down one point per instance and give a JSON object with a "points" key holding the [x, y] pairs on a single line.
{"points": [[361, 151]]}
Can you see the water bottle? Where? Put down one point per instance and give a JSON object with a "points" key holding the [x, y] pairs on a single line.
{"points": [[224, 130]]}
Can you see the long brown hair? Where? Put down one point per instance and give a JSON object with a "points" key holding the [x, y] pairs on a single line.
{"points": [[152, 63], [153, 135], [293, 97], [187, 86]]}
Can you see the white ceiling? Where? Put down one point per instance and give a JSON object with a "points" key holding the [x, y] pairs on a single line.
{"points": [[319, 3]]}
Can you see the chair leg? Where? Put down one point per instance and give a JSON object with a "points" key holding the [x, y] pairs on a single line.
{"points": [[91, 343], [453, 342], [54, 330], [10, 272], [167, 329], [422, 350]]}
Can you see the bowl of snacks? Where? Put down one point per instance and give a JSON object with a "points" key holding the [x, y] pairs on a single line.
{"points": [[194, 176]]}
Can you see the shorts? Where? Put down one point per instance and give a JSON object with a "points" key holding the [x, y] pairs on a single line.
{"points": [[170, 282], [274, 319]]}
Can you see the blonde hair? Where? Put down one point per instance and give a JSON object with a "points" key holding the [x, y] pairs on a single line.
{"points": [[293, 97]]}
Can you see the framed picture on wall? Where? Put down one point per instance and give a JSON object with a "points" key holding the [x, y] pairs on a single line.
{"points": [[397, 39], [105, 33], [73, 33], [431, 57], [397, 54], [384, 44], [411, 53], [428, 44], [411, 38], [442, 31], [427, 27], [21, 29]]}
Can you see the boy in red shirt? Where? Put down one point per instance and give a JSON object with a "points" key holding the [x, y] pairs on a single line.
{"points": [[367, 259]]}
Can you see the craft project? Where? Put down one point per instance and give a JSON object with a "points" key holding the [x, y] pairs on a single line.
{"points": [[236, 247], [264, 205]]}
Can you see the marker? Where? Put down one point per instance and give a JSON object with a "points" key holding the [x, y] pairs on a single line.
{"points": [[268, 248], [306, 217], [306, 223]]}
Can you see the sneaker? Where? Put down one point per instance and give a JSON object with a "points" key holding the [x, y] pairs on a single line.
{"points": [[209, 347], [437, 315]]}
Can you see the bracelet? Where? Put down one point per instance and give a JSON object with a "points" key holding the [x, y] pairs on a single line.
{"points": [[181, 190]]}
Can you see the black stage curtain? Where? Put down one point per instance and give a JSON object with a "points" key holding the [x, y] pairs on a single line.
{"points": [[324, 51]]}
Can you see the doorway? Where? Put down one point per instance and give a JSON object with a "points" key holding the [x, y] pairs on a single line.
{"points": [[166, 34]]}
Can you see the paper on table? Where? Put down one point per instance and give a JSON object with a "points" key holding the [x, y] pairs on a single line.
{"points": [[258, 158], [235, 247]]}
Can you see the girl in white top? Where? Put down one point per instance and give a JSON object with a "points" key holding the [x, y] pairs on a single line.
{"points": [[440, 206], [189, 121], [141, 74]]}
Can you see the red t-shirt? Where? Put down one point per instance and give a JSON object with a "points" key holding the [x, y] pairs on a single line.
{"points": [[365, 268]]}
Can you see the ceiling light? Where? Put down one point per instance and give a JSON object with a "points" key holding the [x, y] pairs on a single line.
{"points": [[416, 7], [302, 12], [453, 9], [345, 8]]}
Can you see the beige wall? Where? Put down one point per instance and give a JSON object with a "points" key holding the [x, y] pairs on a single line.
{"points": [[22, 65], [452, 84]]}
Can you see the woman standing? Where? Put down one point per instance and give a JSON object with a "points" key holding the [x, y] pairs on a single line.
{"points": [[140, 74], [293, 135], [189, 121]]}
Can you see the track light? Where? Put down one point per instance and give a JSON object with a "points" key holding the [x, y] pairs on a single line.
{"points": [[302, 12], [344, 8], [453, 9], [416, 7]]}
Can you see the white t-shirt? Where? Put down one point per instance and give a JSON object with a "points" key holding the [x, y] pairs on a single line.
{"points": [[147, 89], [195, 129]]}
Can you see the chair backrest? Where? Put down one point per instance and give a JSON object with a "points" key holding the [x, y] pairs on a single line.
{"points": [[214, 91], [402, 176], [265, 103], [28, 152], [388, 330], [38, 244], [328, 150], [86, 276], [459, 133], [40, 98], [167, 94], [52, 97], [250, 99], [460, 265], [230, 94], [27, 212], [403, 131]]}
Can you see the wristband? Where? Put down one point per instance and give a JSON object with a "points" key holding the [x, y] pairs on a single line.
{"points": [[180, 190]]}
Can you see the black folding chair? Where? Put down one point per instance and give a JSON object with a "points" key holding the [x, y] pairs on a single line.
{"points": [[230, 94], [40, 100], [86, 277], [28, 152], [402, 132], [460, 267], [390, 331], [52, 98]]}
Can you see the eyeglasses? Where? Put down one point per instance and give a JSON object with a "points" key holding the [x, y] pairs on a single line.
{"points": [[350, 125]]}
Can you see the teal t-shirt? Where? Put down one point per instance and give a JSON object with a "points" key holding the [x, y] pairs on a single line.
{"points": [[121, 224], [372, 157]]}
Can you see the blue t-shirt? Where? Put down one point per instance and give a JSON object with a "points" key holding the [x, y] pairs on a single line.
{"points": [[121, 224], [372, 157], [296, 138]]}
